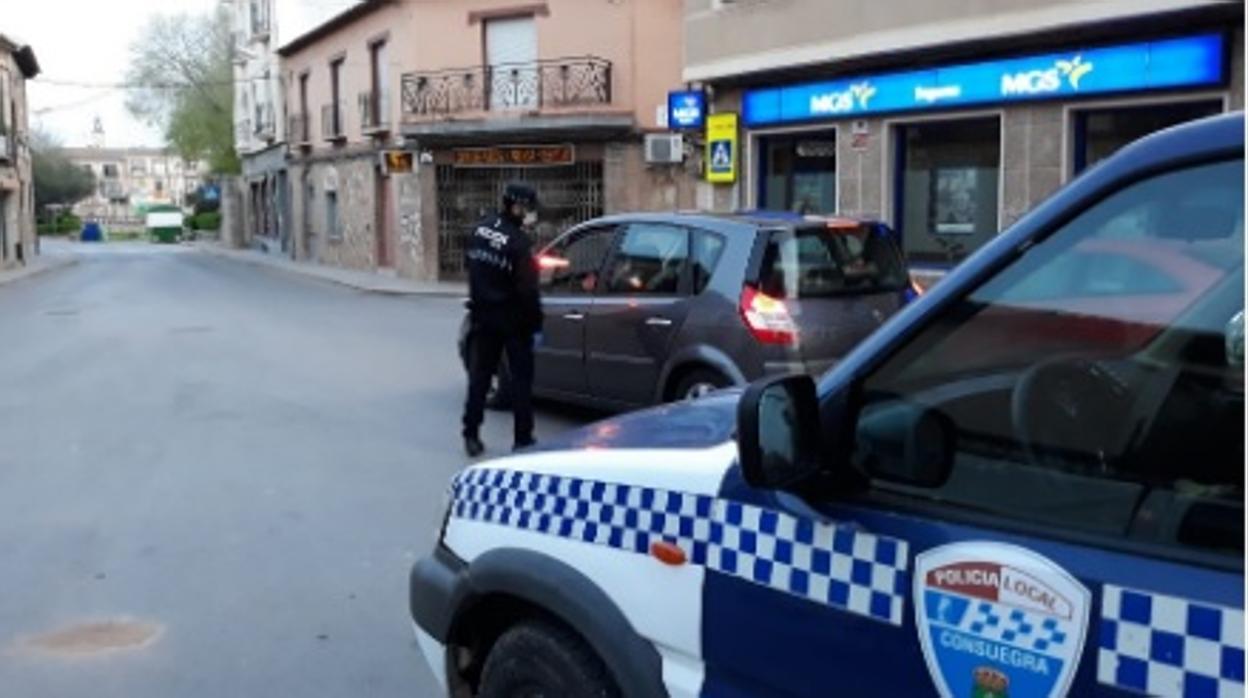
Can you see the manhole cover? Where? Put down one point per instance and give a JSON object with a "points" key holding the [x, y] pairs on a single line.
{"points": [[96, 637]]}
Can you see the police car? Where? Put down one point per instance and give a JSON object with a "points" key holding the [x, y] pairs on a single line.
{"points": [[1030, 482]]}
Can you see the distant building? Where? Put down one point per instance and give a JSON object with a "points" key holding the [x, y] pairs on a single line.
{"points": [[130, 179], [17, 192], [260, 126]]}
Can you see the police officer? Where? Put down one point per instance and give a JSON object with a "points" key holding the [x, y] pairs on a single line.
{"points": [[505, 312]]}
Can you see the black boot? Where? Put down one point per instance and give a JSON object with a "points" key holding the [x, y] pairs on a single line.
{"points": [[473, 446]]}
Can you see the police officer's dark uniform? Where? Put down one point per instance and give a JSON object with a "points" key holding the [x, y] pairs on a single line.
{"points": [[505, 311]]}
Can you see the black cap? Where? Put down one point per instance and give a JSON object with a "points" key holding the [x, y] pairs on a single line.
{"points": [[520, 193]]}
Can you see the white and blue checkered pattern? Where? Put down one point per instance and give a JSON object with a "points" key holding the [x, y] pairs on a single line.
{"points": [[1015, 626], [831, 564], [1167, 646]]}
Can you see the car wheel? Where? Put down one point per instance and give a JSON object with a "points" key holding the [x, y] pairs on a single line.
{"points": [[540, 660], [698, 383]]}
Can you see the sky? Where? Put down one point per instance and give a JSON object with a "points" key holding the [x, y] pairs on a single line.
{"points": [[86, 41]]}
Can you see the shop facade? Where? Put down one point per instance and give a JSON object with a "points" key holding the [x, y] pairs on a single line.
{"points": [[954, 151]]}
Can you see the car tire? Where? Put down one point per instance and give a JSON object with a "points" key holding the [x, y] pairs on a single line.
{"points": [[535, 659], [699, 382]]}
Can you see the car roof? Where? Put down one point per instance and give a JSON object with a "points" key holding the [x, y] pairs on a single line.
{"points": [[742, 219]]}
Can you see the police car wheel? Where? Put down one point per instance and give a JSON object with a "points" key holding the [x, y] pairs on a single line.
{"points": [[536, 659]]}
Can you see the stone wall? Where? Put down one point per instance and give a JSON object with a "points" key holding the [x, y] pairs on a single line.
{"points": [[631, 184], [417, 256], [1032, 159], [353, 179]]}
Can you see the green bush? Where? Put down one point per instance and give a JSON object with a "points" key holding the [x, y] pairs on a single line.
{"points": [[67, 223], [209, 220]]}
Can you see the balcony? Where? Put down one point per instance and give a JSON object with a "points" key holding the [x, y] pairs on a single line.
{"points": [[374, 112], [300, 131], [333, 127], [559, 83]]}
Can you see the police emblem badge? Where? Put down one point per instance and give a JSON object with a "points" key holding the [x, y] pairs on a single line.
{"points": [[998, 621]]}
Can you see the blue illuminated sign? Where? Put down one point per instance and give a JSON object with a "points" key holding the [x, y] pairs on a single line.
{"points": [[686, 109], [1154, 65]]}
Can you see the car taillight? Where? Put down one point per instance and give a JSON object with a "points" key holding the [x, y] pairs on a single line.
{"points": [[767, 318], [548, 262]]}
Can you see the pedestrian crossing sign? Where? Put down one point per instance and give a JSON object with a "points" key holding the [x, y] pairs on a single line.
{"points": [[721, 148]]}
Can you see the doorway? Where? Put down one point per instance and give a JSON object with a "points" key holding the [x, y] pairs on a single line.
{"points": [[384, 223]]}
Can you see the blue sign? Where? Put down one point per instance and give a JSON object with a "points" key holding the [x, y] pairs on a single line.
{"points": [[1154, 65], [686, 110]]}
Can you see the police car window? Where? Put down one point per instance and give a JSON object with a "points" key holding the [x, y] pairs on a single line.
{"points": [[650, 261], [1096, 383], [572, 264], [707, 249]]}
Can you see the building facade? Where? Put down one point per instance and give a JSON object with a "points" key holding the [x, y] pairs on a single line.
{"points": [[17, 195], [128, 180], [412, 116], [954, 118], [260, 125]]}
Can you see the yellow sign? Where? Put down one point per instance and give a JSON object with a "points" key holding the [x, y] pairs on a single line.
{"points": [[721, 148], [397, 161]]}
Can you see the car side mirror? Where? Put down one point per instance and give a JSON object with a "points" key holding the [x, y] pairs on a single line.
{"points": [[902, 442], [778, 432]]}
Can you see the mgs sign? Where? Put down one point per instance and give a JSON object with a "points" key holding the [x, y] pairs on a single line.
{"points": [[1039, 82], [856, 96]]}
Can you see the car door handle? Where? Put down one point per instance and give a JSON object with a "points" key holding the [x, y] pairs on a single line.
{"points": [[658, 322], [574, 316]]}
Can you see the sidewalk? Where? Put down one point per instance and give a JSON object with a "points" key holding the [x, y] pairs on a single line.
{"points": [[57, 257], [361, 280]]}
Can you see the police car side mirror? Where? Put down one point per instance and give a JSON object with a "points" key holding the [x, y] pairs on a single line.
{"points": [[778, 436]]}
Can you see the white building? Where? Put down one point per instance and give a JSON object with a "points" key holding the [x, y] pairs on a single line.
{"points": [[261, 124], [127, 180]]}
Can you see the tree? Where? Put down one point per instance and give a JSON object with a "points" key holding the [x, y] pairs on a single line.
{"points": [[181, 65], [57, 180]]}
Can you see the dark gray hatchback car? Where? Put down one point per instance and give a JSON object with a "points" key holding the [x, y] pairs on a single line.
{"points": [[646, 308]]}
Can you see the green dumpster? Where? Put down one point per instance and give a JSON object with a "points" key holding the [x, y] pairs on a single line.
{"points": [[164, 223]]}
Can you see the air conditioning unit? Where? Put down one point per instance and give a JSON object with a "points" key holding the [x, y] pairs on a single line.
{"points": [[665, 148]]}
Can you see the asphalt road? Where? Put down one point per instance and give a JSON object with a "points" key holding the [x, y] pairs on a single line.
{"points": [[214, 478]]}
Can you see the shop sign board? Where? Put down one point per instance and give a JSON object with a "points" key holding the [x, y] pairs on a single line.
{"points": [[515, 156], [686, 109], [1192, 61], [721, 148]]}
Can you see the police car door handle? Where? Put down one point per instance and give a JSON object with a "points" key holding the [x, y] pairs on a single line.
{"points": [[658, 322], [574, 316]]}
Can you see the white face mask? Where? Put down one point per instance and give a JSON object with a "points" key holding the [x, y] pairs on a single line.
{"points": [[530, 218]]}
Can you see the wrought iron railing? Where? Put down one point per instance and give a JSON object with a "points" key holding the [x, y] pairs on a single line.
{"points": [[374, 111], [299, 131], [559, 82], [266, 127], [242, 130], [332, 122]]}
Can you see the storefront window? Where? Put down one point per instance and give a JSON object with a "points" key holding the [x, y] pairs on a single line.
{"points": [[947, 187], [799, 173], [1100, 132]]}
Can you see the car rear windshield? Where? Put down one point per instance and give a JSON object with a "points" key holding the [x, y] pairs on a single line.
{"points": [[814, 261]]}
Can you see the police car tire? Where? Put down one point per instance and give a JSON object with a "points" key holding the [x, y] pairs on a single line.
{"points": [[540, 658]]}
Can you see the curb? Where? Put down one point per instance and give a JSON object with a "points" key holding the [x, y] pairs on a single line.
{"points": [[308, 274], [14, 276]]}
